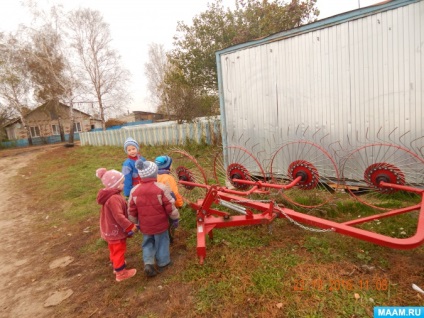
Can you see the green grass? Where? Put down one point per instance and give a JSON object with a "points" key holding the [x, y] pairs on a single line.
{"points": [[248, 270]]}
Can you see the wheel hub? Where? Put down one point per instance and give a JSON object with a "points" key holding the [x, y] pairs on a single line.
{"points": [[306, 170], [386, 172], [185, 174], [237, 171]]}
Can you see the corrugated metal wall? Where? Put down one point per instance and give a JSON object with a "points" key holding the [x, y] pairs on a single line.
{"points": [[352, 80]]}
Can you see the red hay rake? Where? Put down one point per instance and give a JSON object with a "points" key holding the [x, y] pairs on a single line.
{"points": [[371, 172]]}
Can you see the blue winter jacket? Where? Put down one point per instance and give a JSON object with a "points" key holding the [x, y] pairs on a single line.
{"points": [[130, 172]]}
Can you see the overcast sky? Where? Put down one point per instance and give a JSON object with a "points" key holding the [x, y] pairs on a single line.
{"points": [[135, 24]]}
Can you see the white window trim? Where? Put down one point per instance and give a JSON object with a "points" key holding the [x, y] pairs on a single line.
{"points": [[34, 129], [77, 125], [57, 131]]}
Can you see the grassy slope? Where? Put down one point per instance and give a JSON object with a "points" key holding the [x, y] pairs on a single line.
{"points": [[279, 270]]}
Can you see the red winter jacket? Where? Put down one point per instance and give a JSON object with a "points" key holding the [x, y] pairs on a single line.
{"points": [[114, 223], [150, 204]]}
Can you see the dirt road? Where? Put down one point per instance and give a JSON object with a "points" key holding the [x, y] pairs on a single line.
{"points": [[28, 287]]}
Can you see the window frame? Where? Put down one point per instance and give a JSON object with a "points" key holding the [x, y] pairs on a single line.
{"points": [[55, 132], [34, 130], [77, 125]]}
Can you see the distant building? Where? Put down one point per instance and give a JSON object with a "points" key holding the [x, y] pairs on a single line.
{"points": [[48, 120], [140, 116]]}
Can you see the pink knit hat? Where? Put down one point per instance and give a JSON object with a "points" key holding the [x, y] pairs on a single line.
{"points": [[111, 178]]}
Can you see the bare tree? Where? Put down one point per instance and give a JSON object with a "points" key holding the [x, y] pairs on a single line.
{"points": [[5, 117], [155, 71], [100, 63], [46, 67], [15, 84], [50, 63]]}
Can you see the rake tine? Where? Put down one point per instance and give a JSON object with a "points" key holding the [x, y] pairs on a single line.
{"points": [[297, 129], [421, 152], [412, 141], [245, 143], [307, 127], [403, 135], [390, 138], [253, 147], [348, 140], [313, 136], [378, 134], [321, 140]]}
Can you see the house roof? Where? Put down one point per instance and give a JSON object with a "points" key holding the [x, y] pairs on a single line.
{"points": [[17, 119], [61, 104], [11, 122], [144, 113]]}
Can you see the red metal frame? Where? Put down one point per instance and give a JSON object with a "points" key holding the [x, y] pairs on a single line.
{"points": [[209, 218]]}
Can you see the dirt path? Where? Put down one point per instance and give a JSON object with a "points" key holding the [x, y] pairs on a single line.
{"points": [[28, 287]]}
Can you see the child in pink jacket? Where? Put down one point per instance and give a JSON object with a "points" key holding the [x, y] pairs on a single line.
{"points": [[115, 226]]}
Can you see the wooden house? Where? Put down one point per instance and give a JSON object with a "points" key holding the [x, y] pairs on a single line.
{"points": [[50, 121]]}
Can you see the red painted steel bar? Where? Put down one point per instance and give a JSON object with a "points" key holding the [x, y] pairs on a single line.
{"points": [[401, 187], [208, 218], [383, 215], [260, 184]]}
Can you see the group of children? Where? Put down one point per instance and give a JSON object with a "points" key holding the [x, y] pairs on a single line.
{"points": [[145, 197]]}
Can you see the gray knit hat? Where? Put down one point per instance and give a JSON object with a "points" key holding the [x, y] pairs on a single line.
{"points": [[146, 169], [131, 142]]}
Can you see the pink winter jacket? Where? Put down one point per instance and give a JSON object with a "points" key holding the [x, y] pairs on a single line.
{"points": [[114, 222], [151, 204]]}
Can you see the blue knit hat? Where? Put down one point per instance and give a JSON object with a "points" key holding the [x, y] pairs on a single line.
{"points": [[131, 142], [163, 162], [146, 169]]}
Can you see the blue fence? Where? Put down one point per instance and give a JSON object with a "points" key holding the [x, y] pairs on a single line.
{"points": [[36, 141]]}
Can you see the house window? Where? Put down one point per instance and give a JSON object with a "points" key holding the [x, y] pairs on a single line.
{"points": [[55, 129], [77, 127], [35, 131]]}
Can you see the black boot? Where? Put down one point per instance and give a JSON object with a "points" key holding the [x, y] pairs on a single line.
{"points": [[149, 270]]}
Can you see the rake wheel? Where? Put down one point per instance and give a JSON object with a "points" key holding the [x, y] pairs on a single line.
{"points": [[316, 167], [186, 168], [365, 167], [241, 164]]}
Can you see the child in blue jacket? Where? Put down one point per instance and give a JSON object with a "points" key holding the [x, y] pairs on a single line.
{"points": [[130, 172]]}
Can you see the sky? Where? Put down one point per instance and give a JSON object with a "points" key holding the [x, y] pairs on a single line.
{"points": [[134, 24]]}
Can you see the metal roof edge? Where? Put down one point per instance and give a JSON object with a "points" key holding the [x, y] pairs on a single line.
{"points": [[330, 21]]}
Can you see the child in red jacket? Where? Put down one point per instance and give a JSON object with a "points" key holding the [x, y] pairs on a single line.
{"points": [[150, 205], [114, 224]]}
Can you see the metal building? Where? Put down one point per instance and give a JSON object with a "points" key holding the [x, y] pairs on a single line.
{"points": [[340, 82]]}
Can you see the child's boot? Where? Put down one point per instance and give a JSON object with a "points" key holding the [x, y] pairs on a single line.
{"points": [[149, 270], [125, 274]]}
